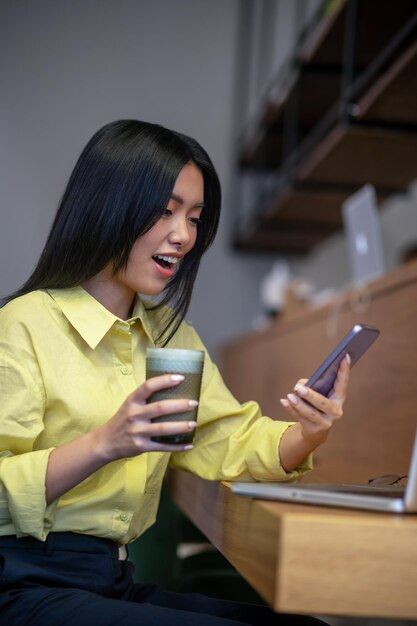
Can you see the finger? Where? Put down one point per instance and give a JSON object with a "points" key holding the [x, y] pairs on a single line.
{"points": [[327, 412], [172, 427], [151, 385], [342, 380], [302, 381], [305, 409], [163, 407], [155, 446], [144, 435], [319, 402], [330, 406], [166, 429], [310, 415], [290, 409]]}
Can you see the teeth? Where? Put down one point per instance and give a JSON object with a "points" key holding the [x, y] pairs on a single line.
{"points": [[168, 259]]}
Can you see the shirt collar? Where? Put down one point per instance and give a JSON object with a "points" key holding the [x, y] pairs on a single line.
{"points": [[91, 319]]}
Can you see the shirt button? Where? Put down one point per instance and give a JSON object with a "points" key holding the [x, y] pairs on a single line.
{"points": [[124, 369], [123, 517]]}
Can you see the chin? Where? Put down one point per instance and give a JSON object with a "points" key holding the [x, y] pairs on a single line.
{"points": [[155, 291]]}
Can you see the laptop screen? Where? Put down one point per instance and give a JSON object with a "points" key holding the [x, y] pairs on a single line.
{"points": [[363, 235]]}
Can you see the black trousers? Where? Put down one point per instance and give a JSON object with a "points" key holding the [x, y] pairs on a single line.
{"points": [[78, 580]]}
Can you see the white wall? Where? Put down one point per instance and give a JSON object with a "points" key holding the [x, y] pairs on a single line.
{"points": [[68, 67]]}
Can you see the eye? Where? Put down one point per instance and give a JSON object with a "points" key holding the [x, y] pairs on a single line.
{"points": [[195, 221], [166, 212]]}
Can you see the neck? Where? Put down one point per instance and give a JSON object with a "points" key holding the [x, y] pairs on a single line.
{"points": [[116, 298]]}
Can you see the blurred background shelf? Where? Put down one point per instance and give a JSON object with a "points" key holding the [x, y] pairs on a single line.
{"points": [[342, 113]]}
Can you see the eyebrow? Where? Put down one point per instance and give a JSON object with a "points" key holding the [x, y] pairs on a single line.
{"points": [[174, 196]]}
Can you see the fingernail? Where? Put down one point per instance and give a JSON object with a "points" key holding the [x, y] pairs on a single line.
{"points": [[292, 398], [301, 389], [284, 402], [192, 403], [192, 425], [177, 378], [188, 447], [348, 359]]}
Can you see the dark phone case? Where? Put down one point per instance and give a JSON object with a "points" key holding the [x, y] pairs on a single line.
{"points": [[355, 343]]}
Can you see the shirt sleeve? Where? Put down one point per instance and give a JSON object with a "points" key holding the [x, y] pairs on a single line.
{"points": [[23, 509], [233, 441]]}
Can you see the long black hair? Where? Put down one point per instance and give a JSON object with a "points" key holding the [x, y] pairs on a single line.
{"points": [[118, 189]]}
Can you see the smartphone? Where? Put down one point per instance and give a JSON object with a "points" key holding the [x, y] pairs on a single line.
{"points": [[356, 342]]}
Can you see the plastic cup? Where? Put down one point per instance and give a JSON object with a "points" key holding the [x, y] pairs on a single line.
{"points": [[190, 364]]}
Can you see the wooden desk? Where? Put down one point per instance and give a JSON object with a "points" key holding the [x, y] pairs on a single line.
{"points": [[305, 559]]}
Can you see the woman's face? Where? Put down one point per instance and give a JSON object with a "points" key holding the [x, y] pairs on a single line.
{"points": [[155, 255]]}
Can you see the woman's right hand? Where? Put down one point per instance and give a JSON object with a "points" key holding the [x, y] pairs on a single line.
{"points": [[129, 432]]}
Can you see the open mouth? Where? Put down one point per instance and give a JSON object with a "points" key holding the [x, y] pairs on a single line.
{"points": [[166, 262]]}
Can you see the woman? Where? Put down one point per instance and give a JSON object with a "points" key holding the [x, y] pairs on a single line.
{"points": [[80, 475]]}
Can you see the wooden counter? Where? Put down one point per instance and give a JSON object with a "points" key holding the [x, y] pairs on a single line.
{"points": [[305, 559]]}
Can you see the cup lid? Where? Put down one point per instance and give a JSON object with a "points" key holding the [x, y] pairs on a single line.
{"points": [[175, 354]]}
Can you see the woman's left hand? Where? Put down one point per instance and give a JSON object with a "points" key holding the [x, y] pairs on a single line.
{"points": [[315, 413]]}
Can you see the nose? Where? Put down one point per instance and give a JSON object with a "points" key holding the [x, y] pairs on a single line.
{"points": [[180, 234]]}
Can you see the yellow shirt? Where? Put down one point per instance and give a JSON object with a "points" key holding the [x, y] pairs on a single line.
{"points": [[66, 366]]}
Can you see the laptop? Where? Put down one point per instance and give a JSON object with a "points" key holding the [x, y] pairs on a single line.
{"points": [[396, 499], [362, 228]]}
